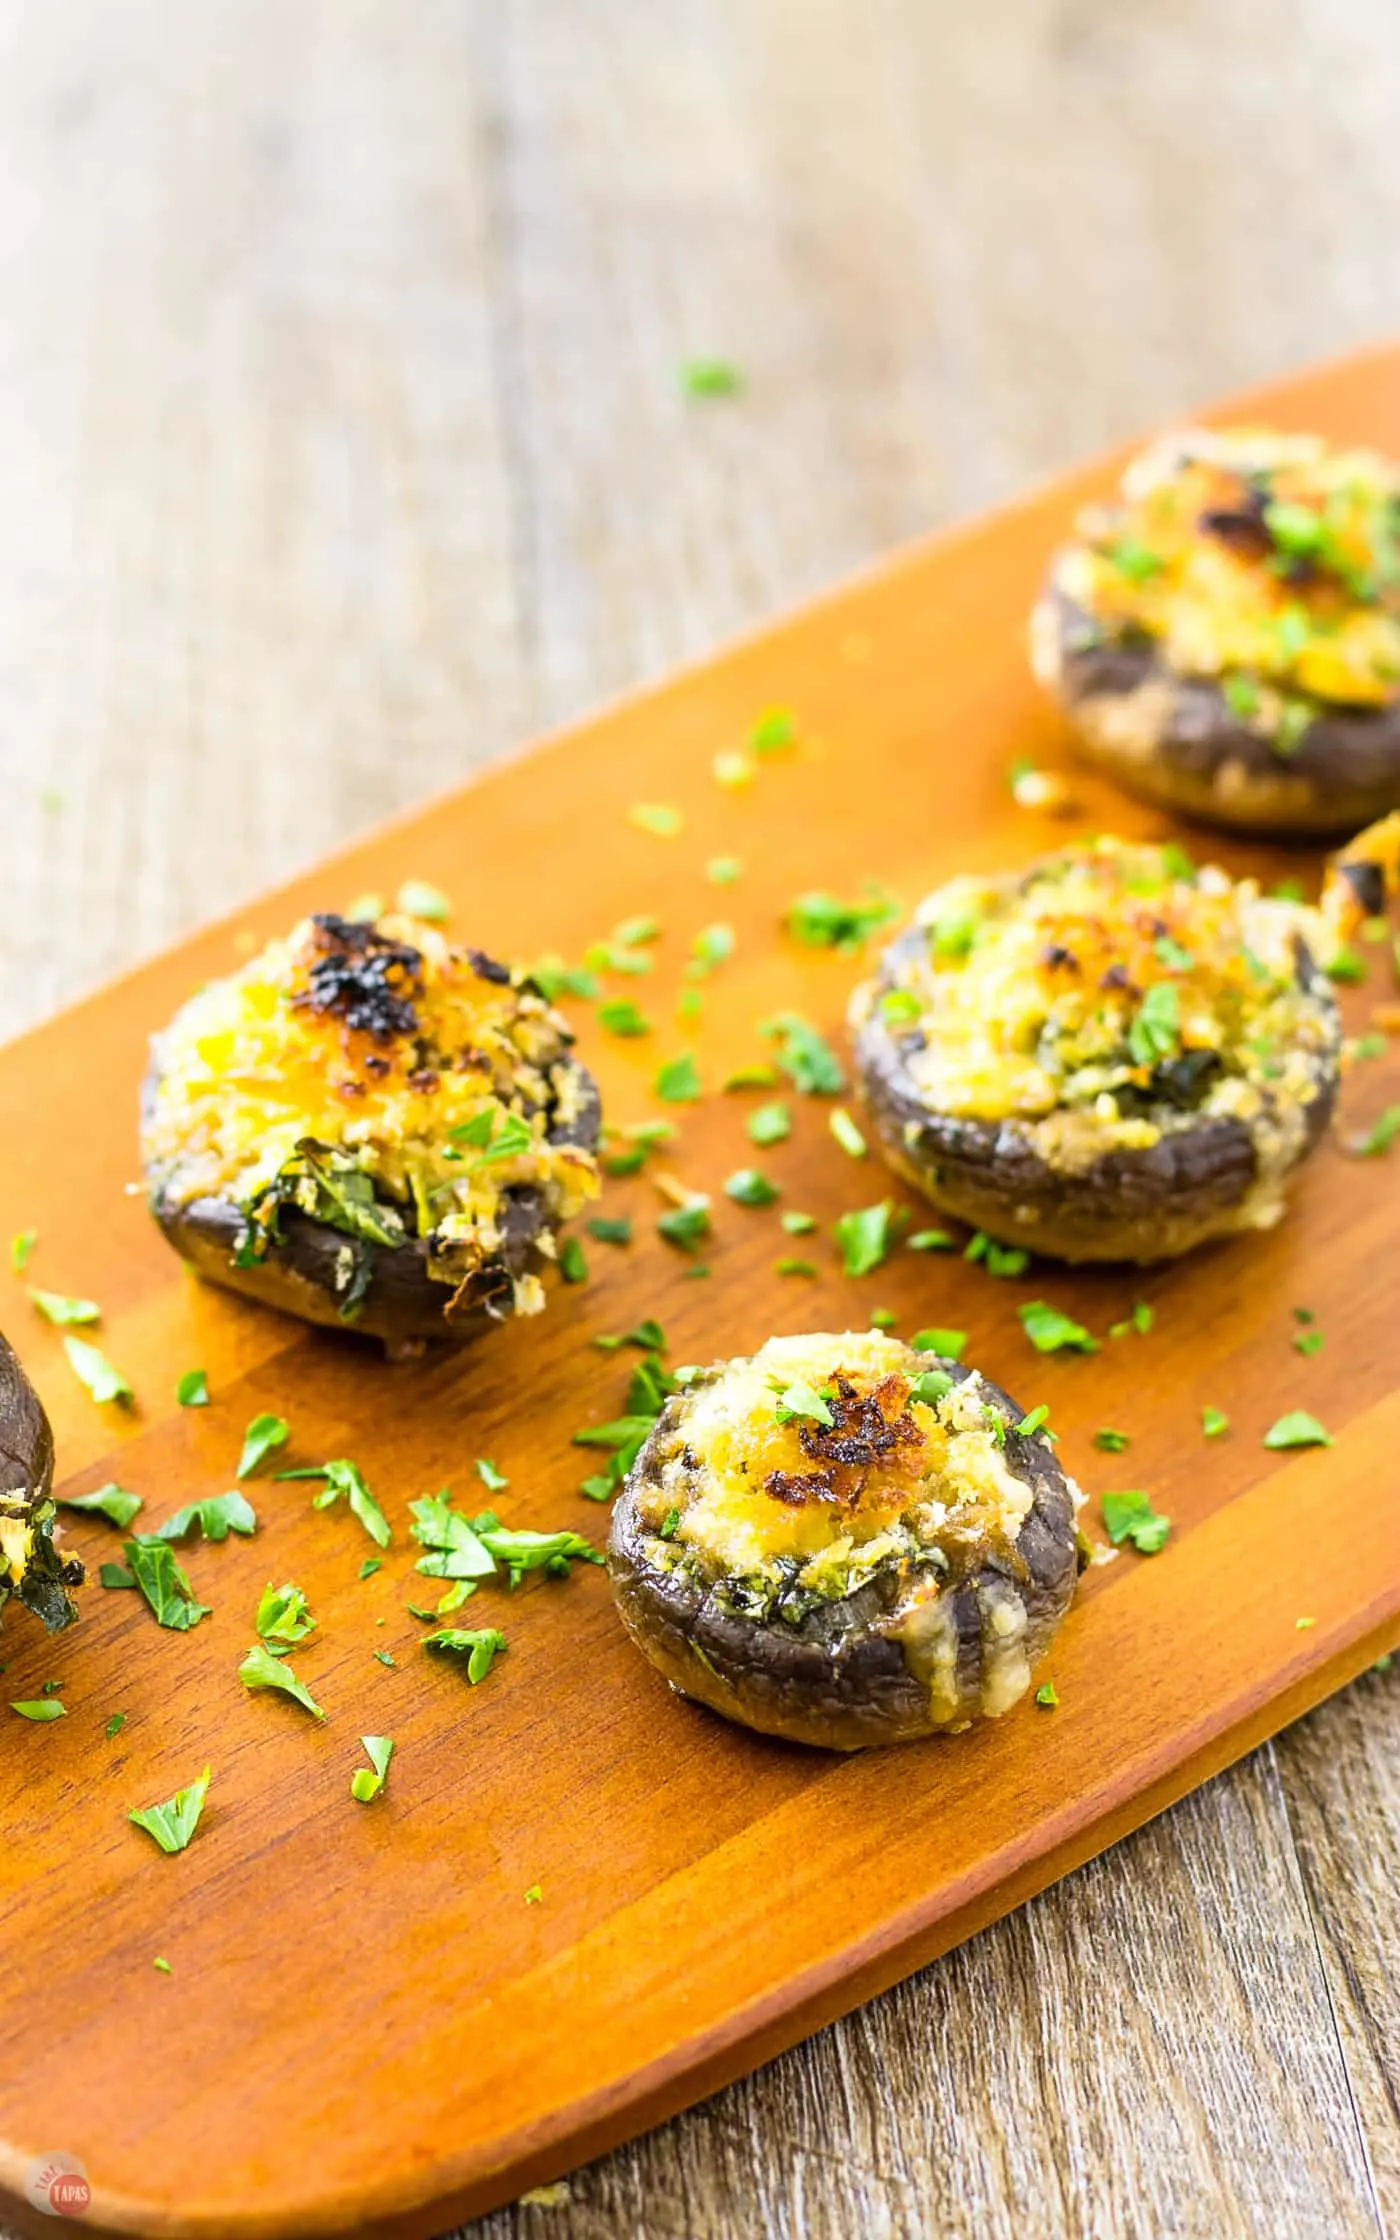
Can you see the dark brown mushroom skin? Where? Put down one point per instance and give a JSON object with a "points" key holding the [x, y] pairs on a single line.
{"points": [[307, 1267], [1142, 1204], [1176, 741], [840, 1678], [26, 1497]]}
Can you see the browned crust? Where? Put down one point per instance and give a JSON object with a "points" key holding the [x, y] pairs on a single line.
{"points": [[838, 1679], [1176, 741], [1141, 1205], [404, 1304]]}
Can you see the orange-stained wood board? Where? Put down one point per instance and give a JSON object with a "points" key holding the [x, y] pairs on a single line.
{"points": [[365, 2025]]}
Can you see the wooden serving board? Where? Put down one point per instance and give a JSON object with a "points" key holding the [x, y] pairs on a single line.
{"points": [[365, 2024]]}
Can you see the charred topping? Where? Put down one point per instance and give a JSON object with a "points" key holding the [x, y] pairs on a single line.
{"points": [[860, 1437], [1242, 526], [362, 978], [487, 968]]}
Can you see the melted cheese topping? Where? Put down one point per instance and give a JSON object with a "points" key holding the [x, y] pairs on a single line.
{"points": [[258, 1063], [16, 1546], [1099, 990], [951, 1472], [1267, 560]]}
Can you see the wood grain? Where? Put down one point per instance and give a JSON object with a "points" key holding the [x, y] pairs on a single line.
{"points": [[438, 1995], [342, 449]]}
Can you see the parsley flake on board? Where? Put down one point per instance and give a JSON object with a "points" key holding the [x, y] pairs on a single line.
{"points": [[114, 1725], [192, 1391], [493, 1479], [774, 732], [1297, 1429], [262, 1435], [1109, 1441], [804, 1054], [480, 1646], [659, 818], [367, 1782], [621, 1017], [22, 1244], [795, 1268], [110, 1501], [747, 1187], [949, 1343], [573, 1267], [1140, 1319], [421, 900], [609, 1230], [798, 1224], [819, 921], [262, 1668], [283, 1618], [678, 1081], [769, 1124], [1131, 1516], [168, 1592], [1046, 1697], [722, 871], [847, 1134], [1214, 1422], [344, 1477], [45, 1708], [929, 1240], [1052, 1332], [1379, 1137], [863, 1236], [711, 946], [684, 1226], [173, 1823], [57, 1307], [92, 1368], [217, 1516], [998, 1259]]}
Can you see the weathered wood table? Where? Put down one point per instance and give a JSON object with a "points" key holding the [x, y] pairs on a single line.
{"points": [[342, 447]]}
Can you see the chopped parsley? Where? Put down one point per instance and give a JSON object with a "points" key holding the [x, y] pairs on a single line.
{"points": [[659, 818], [1155, 1033], [621, 1017], [368, 1568], [930, 1240], [711, 945], [949, 1343], [573, 1267], [798, 1224], [900, 1007], [1052, 1332], [685, 1225], [1046, 1697], [343, 1477], [1214, 1422], [22, 1244], [157, 1573], [1135, 560], [1139, 1319], [997, 1259], [805, 1055], [819, 921], [1370, 1046], [863, 1236], [262, 1435], [110, 1501], [722, 871], [480, 1646], [750, 1077], [1109, 1441], [931, 1384], [1034, 1420], [635, 933], [803, 1400], [114, 1725], [883, 1318], [534, 1894], [667, 1528], [769, 1124], [421, 900], [366, 1784], [56, 1306], [173, 1824], [1297, 1429], [40, 1710], [283, 1618], [1379, 1138], [1308, 1342], [678, 1081], [114, 1575], [846, 1132], [554, 978], [609, 1229], [794, 1268], [91, 1366], [747, 1187], [261, 1668], [1346, 966], [647, 1334], [217, 1516], [774, 732], [192, 1391], [1131, 1516], [710, 377]]}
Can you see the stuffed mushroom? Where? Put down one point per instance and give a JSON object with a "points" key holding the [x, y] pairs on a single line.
{"points": [[368, 1126], [1226, 638], [1111, 1056], [842, 1541], [32, 1571]]}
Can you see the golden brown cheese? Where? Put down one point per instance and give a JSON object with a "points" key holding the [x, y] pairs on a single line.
{"points": [[383, 1043], [953, 1466], [1271, 562], [1049, 997]]}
